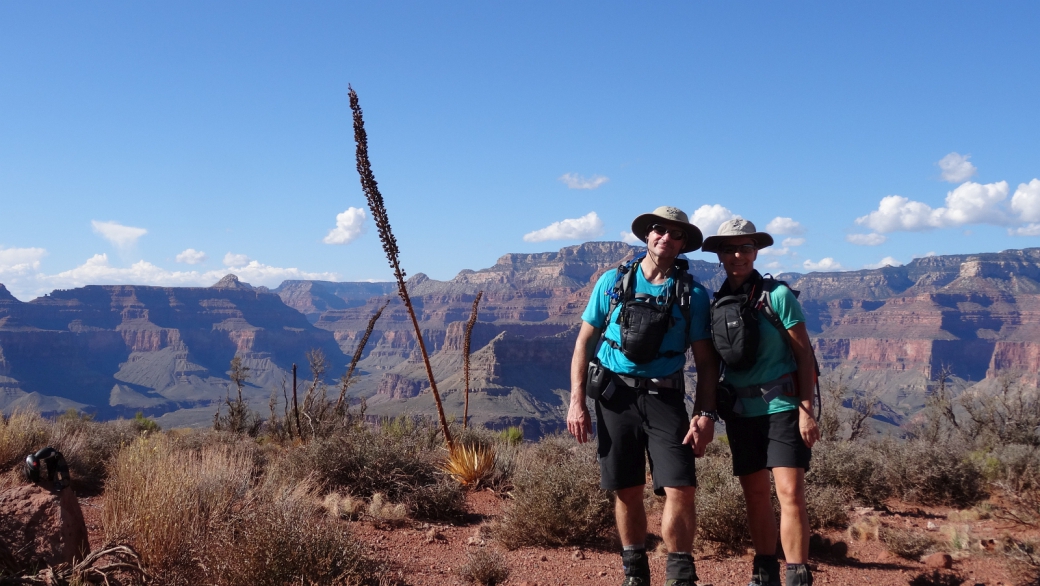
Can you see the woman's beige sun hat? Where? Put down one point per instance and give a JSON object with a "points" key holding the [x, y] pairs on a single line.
{"points": [[737, 228], [669, 215]]}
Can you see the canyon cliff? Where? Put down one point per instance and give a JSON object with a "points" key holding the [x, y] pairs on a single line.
{"points": [[119, 349]]}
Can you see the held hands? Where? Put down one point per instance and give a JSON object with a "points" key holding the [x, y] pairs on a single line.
{"points": [[702, 431], [579, 422], [807, 427]]}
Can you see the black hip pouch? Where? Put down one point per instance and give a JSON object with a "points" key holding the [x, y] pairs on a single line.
{"points": [[598, 382], [725, 400]]}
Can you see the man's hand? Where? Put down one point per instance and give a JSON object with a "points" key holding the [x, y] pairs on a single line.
{"points": [[807, 426], [702, 431], [579, 422]]}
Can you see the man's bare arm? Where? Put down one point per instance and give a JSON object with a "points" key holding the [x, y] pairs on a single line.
{"points": [[579, 421]]}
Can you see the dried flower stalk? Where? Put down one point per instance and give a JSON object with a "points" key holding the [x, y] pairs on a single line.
{"points": [[345, 381], [465, 355], [386, 236]]}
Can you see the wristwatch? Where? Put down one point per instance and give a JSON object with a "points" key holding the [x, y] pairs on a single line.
{"points": [[713, 415]]}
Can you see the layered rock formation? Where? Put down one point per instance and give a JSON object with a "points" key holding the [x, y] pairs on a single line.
{"points": [[119, 349]]}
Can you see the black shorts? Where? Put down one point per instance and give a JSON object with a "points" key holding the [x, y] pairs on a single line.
{"points": [[634, 424], [767, 441]]}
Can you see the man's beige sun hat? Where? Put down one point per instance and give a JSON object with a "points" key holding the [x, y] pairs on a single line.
{"points": [[669, 215], [737, 228]]}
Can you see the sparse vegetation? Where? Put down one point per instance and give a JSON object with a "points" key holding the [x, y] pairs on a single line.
{"points": [[485, 567], [906, 543], [239, 417], [557, 500]]}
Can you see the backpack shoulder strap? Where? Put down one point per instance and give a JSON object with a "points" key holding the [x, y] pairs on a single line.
{"points": [[765, 304], [623, 289]]}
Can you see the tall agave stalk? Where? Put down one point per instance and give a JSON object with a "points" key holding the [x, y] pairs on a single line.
{"points": [[345, 382], [465, 355], [386, 236]]}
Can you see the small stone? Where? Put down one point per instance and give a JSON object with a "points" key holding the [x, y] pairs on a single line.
{"points": [[938, 560], [932, 526], [543, 558], [603, 573], [433, 535], [578, 554]]}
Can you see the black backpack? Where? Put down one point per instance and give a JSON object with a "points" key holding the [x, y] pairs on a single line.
{"points": [[643, 319], [734, 321]]}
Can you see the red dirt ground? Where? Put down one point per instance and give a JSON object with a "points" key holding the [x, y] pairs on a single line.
{"points": [[431, 555]]}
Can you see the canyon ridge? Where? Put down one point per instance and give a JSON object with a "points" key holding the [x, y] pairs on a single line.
{"points": [[117, 350]]}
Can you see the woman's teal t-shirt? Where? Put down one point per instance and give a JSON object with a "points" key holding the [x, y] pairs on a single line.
{"points": [[774, 357], [675, 340]]}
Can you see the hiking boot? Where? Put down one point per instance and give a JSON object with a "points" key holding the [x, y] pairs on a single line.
{"points": [[637, 567], [799, 575], [680, 582], [765, 571]]}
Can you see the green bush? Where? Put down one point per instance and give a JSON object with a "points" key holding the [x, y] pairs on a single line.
{"points": [[557, 500]]}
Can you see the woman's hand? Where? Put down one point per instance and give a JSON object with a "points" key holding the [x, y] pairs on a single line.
{"points": [[807, 426]]}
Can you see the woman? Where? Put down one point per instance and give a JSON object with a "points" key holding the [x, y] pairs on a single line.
{"points": [[772, 427]]}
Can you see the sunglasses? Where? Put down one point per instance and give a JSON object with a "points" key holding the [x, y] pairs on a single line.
{"points": [[743, 249], [674, 233]]}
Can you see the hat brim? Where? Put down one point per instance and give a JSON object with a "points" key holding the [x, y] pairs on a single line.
{"points": [[693, 240], [761, 239]]}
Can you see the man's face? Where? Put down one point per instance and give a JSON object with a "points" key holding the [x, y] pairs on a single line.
{"points": [[666, 239], [738, 256]]}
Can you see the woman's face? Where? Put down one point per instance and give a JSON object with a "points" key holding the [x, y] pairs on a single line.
{"points": [[738, 256]]}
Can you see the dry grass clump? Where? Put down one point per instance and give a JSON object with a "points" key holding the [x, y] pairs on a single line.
{"points": [[278, 536], [485, 567], [386, 513], [343, 506], [907, 544], [21, 433], [557, 500], [164, 500], [721, 513], [866, 529]]}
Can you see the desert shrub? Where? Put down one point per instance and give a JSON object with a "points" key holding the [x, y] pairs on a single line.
{"points": [[162, 499], [905, 543], [851, 466], [1015, 467], [402, 462], [485, 567], [1023, 558], [556, 497], [278, 536], [470, 466], [932, 473], [721, 513], [89, 446], [828, 506], [512, 435], [442, 500]]}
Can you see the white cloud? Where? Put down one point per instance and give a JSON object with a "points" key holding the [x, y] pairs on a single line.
{"points": [[585, 227], [349, 225], [968, 203], [97, 271], [191, 256], [781, 225], [775, 265], [575, 181], [236, 260], [866, 239], [1028, 230], [826, 264], [709, 217], [793, 241], [20, 261], [1026, 201], [630, 238], [774, 251], [888, 261], [956, 168], [120, 236]]}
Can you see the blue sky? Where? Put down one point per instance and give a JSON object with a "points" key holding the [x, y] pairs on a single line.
{"points": [[171, 143]]}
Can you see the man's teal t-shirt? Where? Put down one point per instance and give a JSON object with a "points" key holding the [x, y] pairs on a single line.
{"points": [[675, 340], [774, 356]]}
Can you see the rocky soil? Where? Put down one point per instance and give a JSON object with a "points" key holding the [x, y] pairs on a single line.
{"points": [[420, 554]]}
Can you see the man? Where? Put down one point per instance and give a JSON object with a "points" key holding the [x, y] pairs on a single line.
{"points": [[637, 380]]}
